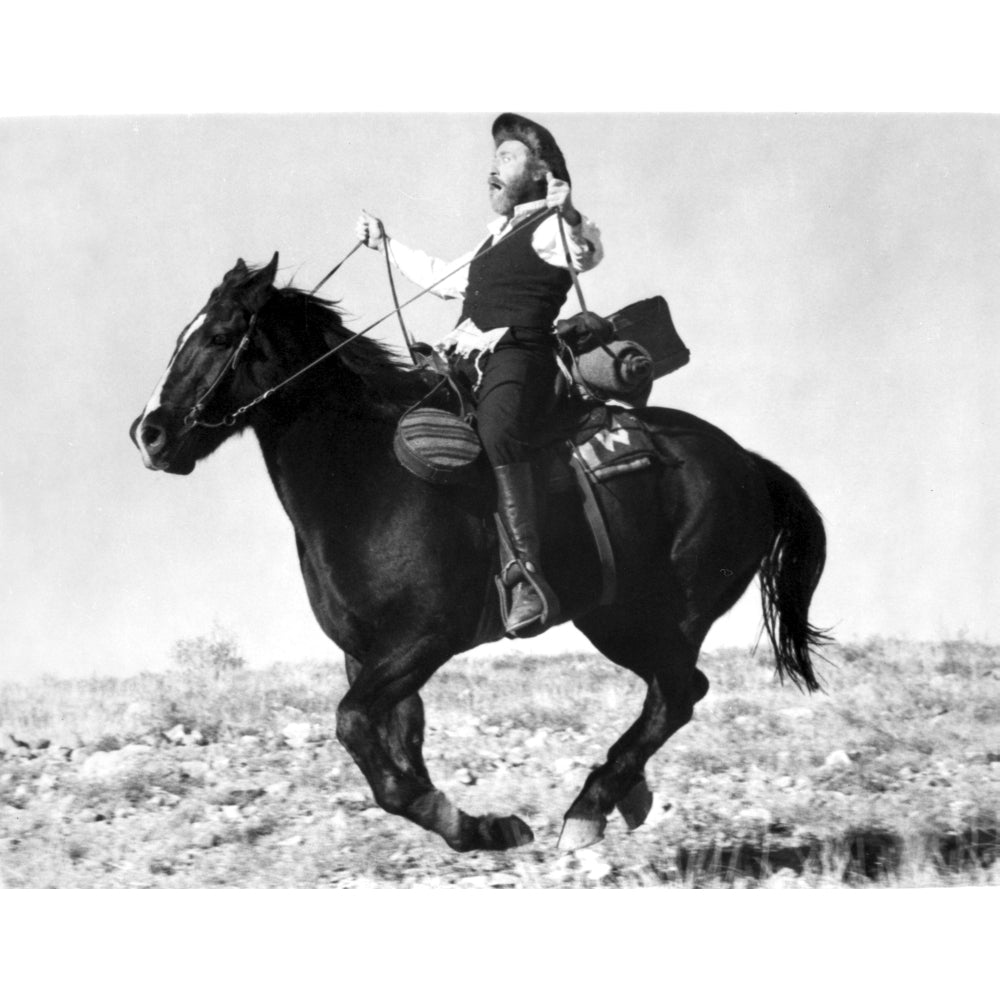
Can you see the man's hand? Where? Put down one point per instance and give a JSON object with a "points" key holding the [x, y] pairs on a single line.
{"points": [[558, 196], [369, 230]]}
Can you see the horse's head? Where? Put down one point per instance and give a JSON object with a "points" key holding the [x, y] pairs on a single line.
{"points": [[209, 376]]}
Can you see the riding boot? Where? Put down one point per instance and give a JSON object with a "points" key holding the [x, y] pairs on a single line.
{"points": [[533, 603]]}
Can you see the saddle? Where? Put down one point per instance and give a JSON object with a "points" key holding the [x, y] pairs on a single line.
{"points": [[584, 441]]}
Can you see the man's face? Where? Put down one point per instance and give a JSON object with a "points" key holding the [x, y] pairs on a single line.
{"points": [[513, 179]]}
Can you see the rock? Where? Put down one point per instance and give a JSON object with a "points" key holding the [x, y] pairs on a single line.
{"points": [[279, 790], [231, 813], [354, 796], [784, 781], [175, 735], [161, 866], [340, 821], [104, 765], [755, 816], [79, 754], [13, 747], [538, 741], [785, 878], [297, 841], [205, 838], [474, 882], [466, 732], [464, 776], [796, 712], [503, 880], [46, 782], [138, 715], [195, 770], [658, 812], [563, 765], [592, 865], [297, 734], [235, 795], [837, 761]]}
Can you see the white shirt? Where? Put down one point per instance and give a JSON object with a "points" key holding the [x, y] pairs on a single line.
{"points": [[451, 278]]}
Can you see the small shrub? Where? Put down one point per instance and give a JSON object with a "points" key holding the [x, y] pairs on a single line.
{"points": [[216, 654]]}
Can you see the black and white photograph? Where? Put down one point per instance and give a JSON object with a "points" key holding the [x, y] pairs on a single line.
{"points": [[510, 497]]}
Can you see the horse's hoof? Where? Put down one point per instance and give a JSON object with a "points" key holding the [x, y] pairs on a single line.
{"points": [[636, 804], [512, 831], [579, 832], [501, 833]]}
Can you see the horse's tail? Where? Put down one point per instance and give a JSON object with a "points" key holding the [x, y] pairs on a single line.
{"points": [[789, 574]]}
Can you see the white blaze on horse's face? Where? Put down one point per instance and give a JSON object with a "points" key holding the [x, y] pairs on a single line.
{"points": [[195, 325], [155, 400]]}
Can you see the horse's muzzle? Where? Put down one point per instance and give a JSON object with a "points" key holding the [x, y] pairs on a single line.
{"points": [[151, 434]]}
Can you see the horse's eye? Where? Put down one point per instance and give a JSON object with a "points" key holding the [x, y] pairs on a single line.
{"points": [[220, 339]]}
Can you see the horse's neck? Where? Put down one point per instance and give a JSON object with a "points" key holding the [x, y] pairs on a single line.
{"points": [[323, 463]]}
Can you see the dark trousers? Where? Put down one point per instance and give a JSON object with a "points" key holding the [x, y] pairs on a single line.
{"points": [[515, 394]]}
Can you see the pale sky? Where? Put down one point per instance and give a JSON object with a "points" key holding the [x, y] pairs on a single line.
{"points": [[833, 275]]}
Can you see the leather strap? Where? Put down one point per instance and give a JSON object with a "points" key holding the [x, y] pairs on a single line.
{"points": [[599, 529]]}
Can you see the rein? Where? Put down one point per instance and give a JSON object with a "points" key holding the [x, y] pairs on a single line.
{"points": [[193, 417]]}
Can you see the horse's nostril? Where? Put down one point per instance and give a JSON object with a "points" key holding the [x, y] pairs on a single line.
{"points": [[152, 436]]}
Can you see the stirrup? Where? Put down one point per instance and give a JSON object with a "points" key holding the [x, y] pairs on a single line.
{"points": [[517, 573], [548, 607]]}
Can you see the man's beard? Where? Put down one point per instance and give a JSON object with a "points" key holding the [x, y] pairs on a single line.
{"points": [[520, 190]]}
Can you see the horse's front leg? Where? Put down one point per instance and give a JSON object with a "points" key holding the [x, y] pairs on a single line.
{"points": [[403, 731], [380, 723]]}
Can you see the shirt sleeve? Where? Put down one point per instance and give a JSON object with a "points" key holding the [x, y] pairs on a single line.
{"points": [[584, 242], [431, 273]]}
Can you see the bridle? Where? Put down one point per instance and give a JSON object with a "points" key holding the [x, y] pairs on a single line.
{"points": [[193, 418]]}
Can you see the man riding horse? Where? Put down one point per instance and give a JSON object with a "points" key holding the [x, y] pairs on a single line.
{"points": [[512, 296]]}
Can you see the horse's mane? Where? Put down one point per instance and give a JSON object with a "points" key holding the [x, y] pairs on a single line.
{"points": [[391, 382]]}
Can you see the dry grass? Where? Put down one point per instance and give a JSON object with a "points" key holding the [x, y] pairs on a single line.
{"points": [[891, 777]]}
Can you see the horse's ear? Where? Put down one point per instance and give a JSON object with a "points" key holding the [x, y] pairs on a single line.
{"points": [[238, 272], [257, 290]]}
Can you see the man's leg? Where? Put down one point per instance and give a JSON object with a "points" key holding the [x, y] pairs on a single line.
{"points": [[515, 392]]}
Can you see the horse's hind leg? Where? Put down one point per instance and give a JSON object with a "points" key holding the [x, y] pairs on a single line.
{"points": [[665, 659], [380, 722]]}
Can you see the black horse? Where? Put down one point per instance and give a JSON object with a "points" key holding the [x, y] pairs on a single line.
{"points": [[399, 572]]}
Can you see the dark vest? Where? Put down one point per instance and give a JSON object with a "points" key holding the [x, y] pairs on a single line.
{"points": [[513, 286]]}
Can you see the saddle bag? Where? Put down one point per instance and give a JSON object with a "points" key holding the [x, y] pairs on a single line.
{"points": [[437, 446], [649, 324], [619, 356]]}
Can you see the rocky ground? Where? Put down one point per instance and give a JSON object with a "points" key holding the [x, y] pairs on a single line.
{"points": [[194, 780]]}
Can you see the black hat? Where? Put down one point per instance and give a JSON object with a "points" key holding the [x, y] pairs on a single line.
{"points": [[536, 137]]}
